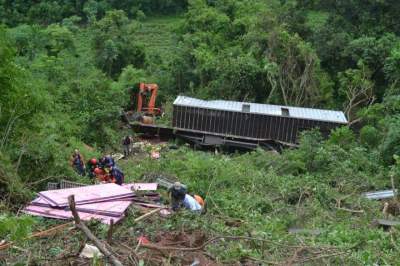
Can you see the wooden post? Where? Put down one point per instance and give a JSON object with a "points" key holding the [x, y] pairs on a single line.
{"points": [[80, 225], [110, 232]]}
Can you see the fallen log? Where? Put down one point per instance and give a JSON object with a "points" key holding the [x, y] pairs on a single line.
{"points": [[349, 210], [80, 225]]}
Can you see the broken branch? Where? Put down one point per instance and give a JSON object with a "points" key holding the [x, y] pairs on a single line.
{"points": [[80, 225], [156, 247], [350, 210], [147, 215]]}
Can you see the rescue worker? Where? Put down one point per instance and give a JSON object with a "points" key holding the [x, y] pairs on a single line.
{"points": [[192, 204], [77, 162], [101, 175], [177, 194], [91, 165], [107, 162], [102, 163], [126, 144], [116, 176]]}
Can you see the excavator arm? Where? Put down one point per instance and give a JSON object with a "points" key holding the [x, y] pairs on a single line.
{"points": [[144, 89]]}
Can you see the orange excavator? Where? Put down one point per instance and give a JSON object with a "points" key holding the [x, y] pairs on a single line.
{"points": [[145, 107], [146, 90]]}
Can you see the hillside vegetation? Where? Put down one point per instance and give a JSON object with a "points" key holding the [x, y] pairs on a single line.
{"points": [[67, 69]]}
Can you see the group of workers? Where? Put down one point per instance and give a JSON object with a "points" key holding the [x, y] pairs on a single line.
{"points": [[103, 169], [106, 171]]}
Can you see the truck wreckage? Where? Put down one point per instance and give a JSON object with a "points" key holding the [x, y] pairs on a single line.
{"points": [[240, 124]]}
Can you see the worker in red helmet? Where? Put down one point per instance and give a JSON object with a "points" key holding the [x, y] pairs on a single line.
{"points": [[91, 165]]}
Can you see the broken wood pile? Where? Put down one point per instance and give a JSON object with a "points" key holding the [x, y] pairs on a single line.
{"points": [[103, 202]]}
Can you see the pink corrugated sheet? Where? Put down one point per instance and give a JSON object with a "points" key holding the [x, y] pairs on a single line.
{"points": [[102, 202], [111, 208], [88, 194], [63, 214]]}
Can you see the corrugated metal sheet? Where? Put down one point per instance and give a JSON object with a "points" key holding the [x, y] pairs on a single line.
{"points": [[384, 194], [267, 109]]}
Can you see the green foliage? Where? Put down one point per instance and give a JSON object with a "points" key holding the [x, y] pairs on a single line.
{"points": [[391, 142], [15, 228], [369, 136], [114, 41], [343, 137], [53, 11], [229, 50], [59, 39], [392, 64]]}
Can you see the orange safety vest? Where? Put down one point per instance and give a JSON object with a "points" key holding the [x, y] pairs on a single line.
{"points": [[102, 177], [199, 200]]}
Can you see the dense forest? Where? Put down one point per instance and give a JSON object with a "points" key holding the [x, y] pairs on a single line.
{"points": [[67, 69]]}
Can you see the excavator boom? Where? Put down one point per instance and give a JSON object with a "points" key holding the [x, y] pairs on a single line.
{"points": [[144, 89]]}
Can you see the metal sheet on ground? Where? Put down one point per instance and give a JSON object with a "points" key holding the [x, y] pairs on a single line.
{"points": [[64, 214]]}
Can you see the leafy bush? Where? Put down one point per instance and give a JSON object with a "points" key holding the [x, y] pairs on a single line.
{"points": [[391, 141], [369, 136], [15, 228]]}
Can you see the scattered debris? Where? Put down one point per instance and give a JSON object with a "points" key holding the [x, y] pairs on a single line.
{"points": [[385, 223], [391, 207], [117, 156], [143, 240], [165, 183], [90, 252], [152, 149], [196, 262], [155, 155], [182, 248], [141, 186], [378, 195], [144, 216], [165, 213], [63, 184]]}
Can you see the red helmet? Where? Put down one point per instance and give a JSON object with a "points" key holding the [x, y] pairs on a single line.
{"points": [[93, 161], [98, 171]]}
